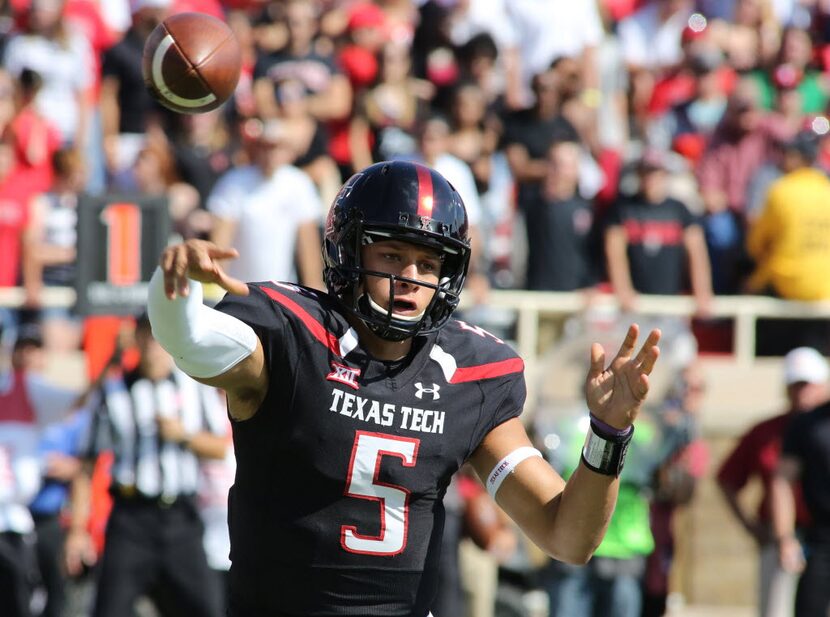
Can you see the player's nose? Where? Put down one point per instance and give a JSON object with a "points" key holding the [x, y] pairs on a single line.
{"points": [[410, 271]]}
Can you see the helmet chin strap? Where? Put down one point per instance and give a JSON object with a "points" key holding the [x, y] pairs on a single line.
{"points": [[379, 309]]}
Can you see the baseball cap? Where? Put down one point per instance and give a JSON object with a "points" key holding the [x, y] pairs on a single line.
{"points": [[365, 15], [805, 364]]}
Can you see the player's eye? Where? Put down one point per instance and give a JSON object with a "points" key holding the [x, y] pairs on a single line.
{"points": [[430, 266]]}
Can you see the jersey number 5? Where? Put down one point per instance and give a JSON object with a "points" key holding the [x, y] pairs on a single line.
{"points": [[362, 483]]}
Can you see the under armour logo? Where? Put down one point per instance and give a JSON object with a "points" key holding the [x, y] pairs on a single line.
{"points": [[345, 375], [433, 391]]}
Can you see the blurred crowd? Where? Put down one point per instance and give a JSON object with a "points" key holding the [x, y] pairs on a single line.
{"points": [[661, 147], [626, 146]]}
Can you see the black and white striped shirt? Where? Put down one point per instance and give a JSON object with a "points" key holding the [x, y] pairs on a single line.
{"points": [[125, 421]]}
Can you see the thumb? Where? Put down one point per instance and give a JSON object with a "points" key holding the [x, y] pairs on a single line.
{"points": [[229, 283], [217, 252]]}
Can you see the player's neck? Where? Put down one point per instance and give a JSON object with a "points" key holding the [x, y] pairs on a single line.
{"points": [[378, 347]]}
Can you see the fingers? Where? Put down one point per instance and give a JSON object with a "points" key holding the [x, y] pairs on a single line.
{"points": [[649, 352], [627, 347], [597, 361], [642, 386], [197, 259], [179, 270], [650, 360], [169, 260], [165, 264], [174, 266], [216, 252]]}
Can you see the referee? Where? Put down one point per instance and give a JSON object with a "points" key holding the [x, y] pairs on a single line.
{"points": [[158, 423]]}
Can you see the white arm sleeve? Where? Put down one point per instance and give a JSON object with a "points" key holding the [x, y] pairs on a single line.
{"points": [[204, 342]]}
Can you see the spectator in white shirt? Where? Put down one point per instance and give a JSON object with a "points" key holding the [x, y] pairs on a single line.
{"points": [[62, 58], [434, 144], [651, 37], [270, 211], [544, 30]]}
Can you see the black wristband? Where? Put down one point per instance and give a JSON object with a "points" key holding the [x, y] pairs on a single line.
{"points": [[605, 456]]}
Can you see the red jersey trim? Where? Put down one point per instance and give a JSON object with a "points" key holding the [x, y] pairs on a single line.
{"points": [[487, 371], [315, 327]]}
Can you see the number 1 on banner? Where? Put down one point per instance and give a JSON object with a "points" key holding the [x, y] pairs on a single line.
{"points": [[123, 223], [362, 483]]}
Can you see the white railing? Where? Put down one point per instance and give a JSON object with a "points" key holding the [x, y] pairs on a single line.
{"points": [[533, 306]]}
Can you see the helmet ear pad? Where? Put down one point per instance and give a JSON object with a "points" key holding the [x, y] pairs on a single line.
{"points": [[385, 201]]}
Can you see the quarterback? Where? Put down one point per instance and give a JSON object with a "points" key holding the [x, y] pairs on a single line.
{"points": [[352, 409]]}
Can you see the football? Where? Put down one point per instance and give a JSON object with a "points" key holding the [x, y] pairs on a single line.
{"points": [[191, 62]]}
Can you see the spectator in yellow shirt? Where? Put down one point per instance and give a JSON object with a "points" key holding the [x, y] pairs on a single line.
{"points": [[790, 239]]}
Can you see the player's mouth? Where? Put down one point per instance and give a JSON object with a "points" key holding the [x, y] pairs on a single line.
{"points": [[406, 310], [404, 306]]}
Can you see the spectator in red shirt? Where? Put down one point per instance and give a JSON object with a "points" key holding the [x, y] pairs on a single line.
{"points": [[14, 219], [14, 216], [35, 138], [806, 376]]}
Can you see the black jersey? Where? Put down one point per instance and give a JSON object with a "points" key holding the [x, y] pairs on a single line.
{"points": [[337, 505], [808, 440]]}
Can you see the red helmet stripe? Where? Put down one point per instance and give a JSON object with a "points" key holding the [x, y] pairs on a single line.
{"points": [[425, 196]]}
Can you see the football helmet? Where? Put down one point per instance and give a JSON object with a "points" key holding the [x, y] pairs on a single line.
{"points": [[404, 201]]}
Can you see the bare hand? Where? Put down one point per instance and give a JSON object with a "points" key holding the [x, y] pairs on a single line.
{"points": [[78, 552], [614, 395], [791, 555], [197, 260]]}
